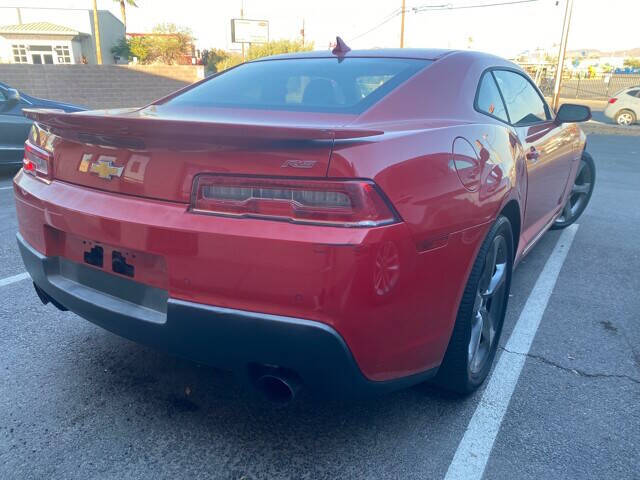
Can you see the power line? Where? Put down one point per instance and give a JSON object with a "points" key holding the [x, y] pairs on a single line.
{"points": [[463, 7], [425, 8], [391, 16], [388, 18]]}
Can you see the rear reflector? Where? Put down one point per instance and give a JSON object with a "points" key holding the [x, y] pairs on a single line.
{"points": [[352, 203], [613, 100], [36, 161]]}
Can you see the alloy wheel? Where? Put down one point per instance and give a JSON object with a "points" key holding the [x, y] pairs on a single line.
{"points": [[489, 304], [625, 118], [579, 196]]}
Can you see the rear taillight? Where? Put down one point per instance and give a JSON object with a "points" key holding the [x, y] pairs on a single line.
{"points": [[351, 203], [37, 161], [613, 100]]}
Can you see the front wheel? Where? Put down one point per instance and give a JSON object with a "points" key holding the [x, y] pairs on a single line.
{"points": [[580, 193], [476, 333]]}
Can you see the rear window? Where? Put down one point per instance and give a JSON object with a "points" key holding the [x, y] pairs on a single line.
{"points": [[304, 84]]}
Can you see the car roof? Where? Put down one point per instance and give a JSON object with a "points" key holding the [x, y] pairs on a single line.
{"points": [[625, 90], [419, 53]]}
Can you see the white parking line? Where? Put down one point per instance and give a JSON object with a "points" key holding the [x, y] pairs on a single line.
{"points": [[6, 188], [475, 447], [13, 279]]}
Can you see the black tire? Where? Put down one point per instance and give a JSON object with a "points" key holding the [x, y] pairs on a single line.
{"points": [[625, 117], [580, 195], [456, 372]]}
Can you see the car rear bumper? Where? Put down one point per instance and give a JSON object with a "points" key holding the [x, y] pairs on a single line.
{"points": [[328, 275], [237, 340], [610, 110]]}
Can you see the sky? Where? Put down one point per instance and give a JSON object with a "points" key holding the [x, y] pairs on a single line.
{"points": [[502, 30]]}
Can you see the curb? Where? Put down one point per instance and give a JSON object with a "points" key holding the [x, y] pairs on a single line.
{"points": [[598, 128]]}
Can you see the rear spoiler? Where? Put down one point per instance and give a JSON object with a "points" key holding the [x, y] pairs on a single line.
{"points": [[134, 124]]}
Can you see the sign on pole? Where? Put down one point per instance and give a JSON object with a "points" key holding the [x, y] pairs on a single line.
{"points": [[249, 31]]}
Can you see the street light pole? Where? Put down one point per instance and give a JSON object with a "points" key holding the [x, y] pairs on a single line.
{"points": [[96, 28], [561, 54], [402, 26]]}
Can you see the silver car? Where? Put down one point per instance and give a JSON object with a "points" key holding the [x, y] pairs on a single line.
{"points": [[624, 107]]}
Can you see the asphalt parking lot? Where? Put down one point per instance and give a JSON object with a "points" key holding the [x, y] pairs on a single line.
{"points": [[77, 402]]}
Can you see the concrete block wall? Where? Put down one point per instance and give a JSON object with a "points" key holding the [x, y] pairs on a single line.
{"points": [[100, 86]]}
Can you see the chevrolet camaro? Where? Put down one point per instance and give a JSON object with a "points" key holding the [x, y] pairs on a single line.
{"points": [[345, 221]]}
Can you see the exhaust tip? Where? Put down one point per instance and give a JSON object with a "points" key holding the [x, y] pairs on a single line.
{"points": [[275, 389], [277, 385]]}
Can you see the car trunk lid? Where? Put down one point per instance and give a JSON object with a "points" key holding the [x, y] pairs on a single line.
{"points": [[157, 151]]}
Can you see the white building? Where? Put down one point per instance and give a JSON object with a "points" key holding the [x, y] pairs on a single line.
{"points": [[56, 35]]}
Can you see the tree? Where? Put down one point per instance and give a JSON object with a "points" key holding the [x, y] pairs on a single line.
{"points": [[276, 47], [167, 44], [219, 60], [632, 62], [231, 59], [171, 42], [216, 59], [123, 10], [139, 47], [122, 49], [142, 49]]}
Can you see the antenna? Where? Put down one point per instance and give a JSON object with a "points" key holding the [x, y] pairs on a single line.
{"points": [[341, 48]]}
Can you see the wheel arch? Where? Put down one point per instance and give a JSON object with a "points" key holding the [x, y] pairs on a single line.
{"points": [[512, 211], [626, 109]]}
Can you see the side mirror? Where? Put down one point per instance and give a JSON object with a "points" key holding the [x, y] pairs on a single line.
{"points": [[13, 98], [571, 113]]}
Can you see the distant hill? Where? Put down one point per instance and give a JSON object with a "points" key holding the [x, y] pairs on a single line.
{"points": [[592, 52]]}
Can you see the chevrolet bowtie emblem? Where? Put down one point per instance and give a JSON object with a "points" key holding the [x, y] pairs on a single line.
{"points": [[103, 167]]}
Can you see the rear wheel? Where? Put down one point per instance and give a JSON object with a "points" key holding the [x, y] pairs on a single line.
{"points": [[580, 193], [625, 117], [476, 333]]}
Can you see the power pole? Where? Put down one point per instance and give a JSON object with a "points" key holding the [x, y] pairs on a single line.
{"points": [[242, 16], [96, 28], [561, 54], [302, 33], [402, 26]]}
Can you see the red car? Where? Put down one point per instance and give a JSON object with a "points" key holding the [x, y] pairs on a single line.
{"points": [[348, 222]]}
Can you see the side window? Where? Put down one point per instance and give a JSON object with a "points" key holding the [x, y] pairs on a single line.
{"points": [[489, 100], [3, 98], [524, 104], [634, 93]]}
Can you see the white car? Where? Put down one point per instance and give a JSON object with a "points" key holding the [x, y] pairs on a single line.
{"points": [[624, 107]]}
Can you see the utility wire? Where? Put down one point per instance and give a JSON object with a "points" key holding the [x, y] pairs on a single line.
{"points": [[425, 8], [463, 7], [388, 18]]}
